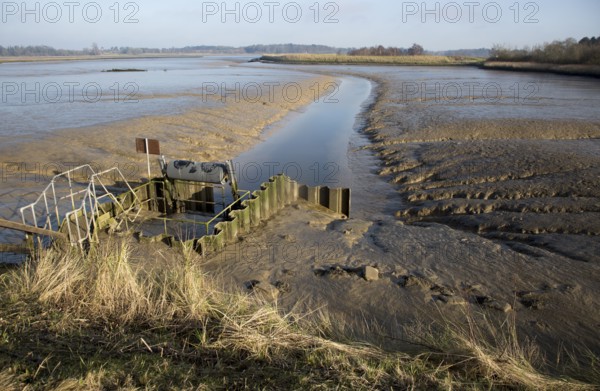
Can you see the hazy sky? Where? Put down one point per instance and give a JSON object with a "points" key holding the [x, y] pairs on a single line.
{"points": [[436, 25]]}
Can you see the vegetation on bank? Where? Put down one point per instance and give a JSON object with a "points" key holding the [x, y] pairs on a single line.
{"points": [[584, 52], [569, 69], [108, 320], [370, 60]]}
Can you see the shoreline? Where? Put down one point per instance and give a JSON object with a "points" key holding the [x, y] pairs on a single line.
{"points": [[567, 70], [433, 61]]}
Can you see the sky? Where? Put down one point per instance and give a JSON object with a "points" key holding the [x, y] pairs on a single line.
{"points": [[436, 25]]}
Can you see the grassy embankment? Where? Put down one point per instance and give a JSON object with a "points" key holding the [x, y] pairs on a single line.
{"points": [[561, 69], [107, 321], [523, 66], [370, 60]]}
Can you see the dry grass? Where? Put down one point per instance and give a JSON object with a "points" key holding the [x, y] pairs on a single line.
{"points": [[568, 69], [104, 321], [8, 381], [494, 351], [371, 60]]}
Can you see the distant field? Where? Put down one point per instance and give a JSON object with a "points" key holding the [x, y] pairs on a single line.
{"points": [[385, 60]]}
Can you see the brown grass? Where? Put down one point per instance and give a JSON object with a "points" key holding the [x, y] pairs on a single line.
{"points": [[569, 69], [371, 60], [106, 320]]}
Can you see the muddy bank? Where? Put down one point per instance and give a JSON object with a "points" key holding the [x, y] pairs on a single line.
{"points": [[533, 182], [531, 186], [495, 217], [310, 261]]}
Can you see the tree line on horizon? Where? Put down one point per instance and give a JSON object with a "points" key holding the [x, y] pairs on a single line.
{"points": [[570, 51], [414, 50], [43, 50]]}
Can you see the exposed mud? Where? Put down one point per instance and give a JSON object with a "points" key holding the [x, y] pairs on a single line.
{"points": [[496, 216], [308, 260], [534, 184]]}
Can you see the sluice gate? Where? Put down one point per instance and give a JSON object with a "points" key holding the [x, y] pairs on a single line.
{"points": [[188, 205]]}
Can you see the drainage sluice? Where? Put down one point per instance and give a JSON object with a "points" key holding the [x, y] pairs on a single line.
{"points": [[193, 204]]}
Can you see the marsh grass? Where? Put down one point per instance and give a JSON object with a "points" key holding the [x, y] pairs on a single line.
{"points": [[564, 69], [104, 321], [371, 60]]}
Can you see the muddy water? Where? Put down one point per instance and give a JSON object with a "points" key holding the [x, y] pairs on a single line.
{"points": [[312, 147]]}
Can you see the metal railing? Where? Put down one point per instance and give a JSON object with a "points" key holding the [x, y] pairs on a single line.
{"points": [[207, 224], [79, 206]]}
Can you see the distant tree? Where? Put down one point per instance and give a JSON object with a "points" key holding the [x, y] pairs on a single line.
{"points": [[378, 51], [95, 51], [416, 50]]}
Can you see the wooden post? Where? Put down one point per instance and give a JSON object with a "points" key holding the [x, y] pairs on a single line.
{"points": [[31, 229]]}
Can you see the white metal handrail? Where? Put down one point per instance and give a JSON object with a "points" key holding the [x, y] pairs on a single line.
{"points": [[51, 211], [84, 205]]}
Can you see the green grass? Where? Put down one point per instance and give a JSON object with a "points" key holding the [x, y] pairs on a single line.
{"points": [[106, 320], [371, 60]]}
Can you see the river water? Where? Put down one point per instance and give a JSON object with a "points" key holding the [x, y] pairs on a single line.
{"points": [[41, 97], [313, 146]]}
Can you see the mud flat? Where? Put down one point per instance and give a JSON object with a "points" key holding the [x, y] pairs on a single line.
{"points": [[529, 181], [531, 186], [493, 216]]}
